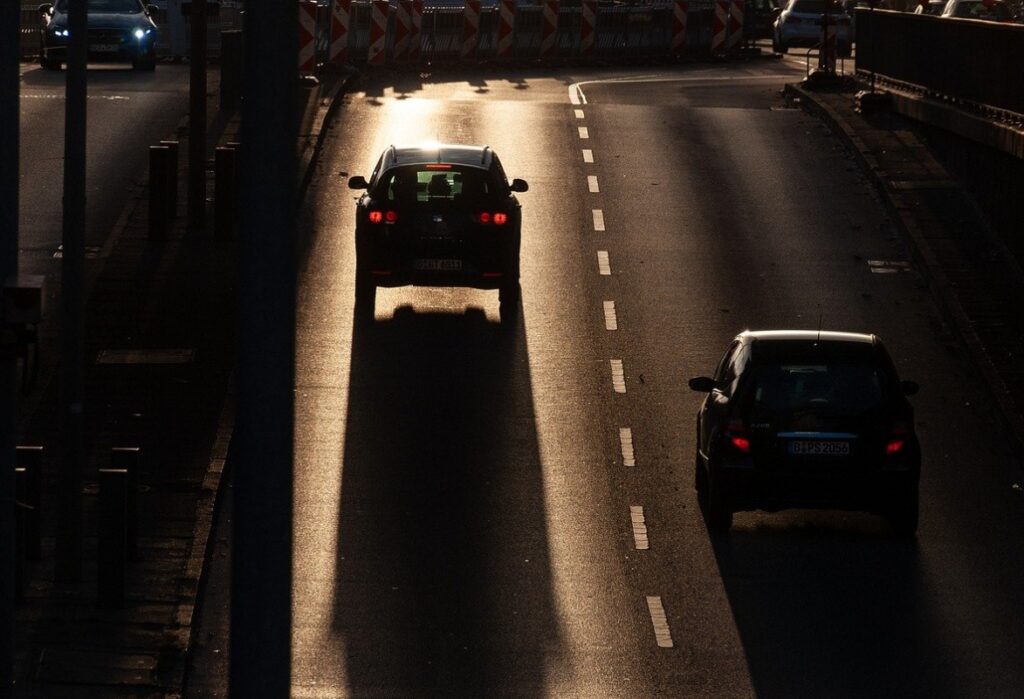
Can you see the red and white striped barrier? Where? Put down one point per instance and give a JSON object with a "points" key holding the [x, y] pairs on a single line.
{"points": [[680, 12], [415, 30], [719, 24], [403, 29], [506, 27], [735, 32], [341, 11], [378, 33], [548, 27], [588, 26], [470, 29], [307, 38]]}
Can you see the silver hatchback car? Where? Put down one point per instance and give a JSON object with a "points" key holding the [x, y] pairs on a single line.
{"points": [[800, 24]]}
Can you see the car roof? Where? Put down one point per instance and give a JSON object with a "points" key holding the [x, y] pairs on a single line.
{"points": [[810, 335], [474, 156]]}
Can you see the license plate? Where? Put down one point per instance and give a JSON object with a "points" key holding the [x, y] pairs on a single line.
{"points": [[437, 265], [819, 448], [104, 48]]}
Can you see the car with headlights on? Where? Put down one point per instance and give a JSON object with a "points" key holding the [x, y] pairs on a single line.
{"points": [[799, 23], [118, 31], [806, 419], [438, 215]]}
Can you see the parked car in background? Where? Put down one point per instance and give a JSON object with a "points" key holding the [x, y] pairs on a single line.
{"points": [[119, 31], [799, 24], [758, 18], [806, 419], [931, 7], [988, 10]]}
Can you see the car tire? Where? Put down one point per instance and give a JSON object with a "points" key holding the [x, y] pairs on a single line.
{"points": [[904, 513], [717, 510], [509, 296], [48, 63], [779, 48], [366, 299]]}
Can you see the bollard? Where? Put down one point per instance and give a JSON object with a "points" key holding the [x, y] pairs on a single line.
{"points": [[158, 156], [31, 460], [225, 191], [127, 460], [110, 538], [172, 179], [231, 61]]}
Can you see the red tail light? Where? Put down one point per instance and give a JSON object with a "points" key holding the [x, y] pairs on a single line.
{"points": [[737, 434], [897, 439], [376, 217], [498, 218], [391, 216]]}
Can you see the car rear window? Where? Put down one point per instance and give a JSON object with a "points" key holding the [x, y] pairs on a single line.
{"points": [[437, 182], [828, 378]]}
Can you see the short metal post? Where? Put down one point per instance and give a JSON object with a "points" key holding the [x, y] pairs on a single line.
{"points": [[172, 179], [127, 459], [231, 57], [110, 543], [30, 458], [225, 183], [158, 156]]}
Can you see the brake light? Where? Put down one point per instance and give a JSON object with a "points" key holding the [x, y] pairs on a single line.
{"points": [[737, 434], [897, 439], [439, 166], [391, 216], [376, 217], [498, 218]]}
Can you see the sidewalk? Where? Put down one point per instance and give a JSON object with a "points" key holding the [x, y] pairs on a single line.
{"points": [[975, 279], [158, 365]]}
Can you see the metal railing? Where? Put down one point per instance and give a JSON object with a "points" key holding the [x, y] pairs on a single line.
{"points": [[966, 61]]}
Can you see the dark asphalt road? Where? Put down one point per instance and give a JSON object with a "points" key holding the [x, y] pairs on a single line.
{"points": [[469, 522]]}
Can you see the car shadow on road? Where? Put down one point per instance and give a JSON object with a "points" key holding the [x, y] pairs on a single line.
{"points": [[825, 609], [443, 581]]}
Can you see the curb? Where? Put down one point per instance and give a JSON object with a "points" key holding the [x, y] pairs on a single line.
{"points": [[938, 283]]}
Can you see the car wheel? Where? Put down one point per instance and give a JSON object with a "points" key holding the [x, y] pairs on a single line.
{"points": [[904, 513], [777, 47], [366, 299], [508, 304], [718, 510], [48, 63]]}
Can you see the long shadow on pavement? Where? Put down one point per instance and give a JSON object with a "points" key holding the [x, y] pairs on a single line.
{"points": [[443, 582]]}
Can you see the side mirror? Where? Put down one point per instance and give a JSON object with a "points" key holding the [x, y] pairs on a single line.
{"points": [[358, 182], [703, 384], [151, 10], [45, 8], [910, 388], [519, 185]]}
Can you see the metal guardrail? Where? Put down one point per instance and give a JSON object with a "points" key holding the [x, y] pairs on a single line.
{"points": [[961, 60]]}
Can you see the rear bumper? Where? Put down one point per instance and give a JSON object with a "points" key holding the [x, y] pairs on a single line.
{"points": [[861, 489], [389, 278]]}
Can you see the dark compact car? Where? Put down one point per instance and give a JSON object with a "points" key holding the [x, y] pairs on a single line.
{"points": [[807, 419], [119, 31], [442, 215]]}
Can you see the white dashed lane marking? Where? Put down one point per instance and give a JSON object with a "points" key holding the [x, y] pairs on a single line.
{"points": [[604, 266], [611, 321], [579, 113], [636, 516], [598, 219], [626, 445], [588, 155], [662, 633], [618, 375], [583, 132], [592, 184]]}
